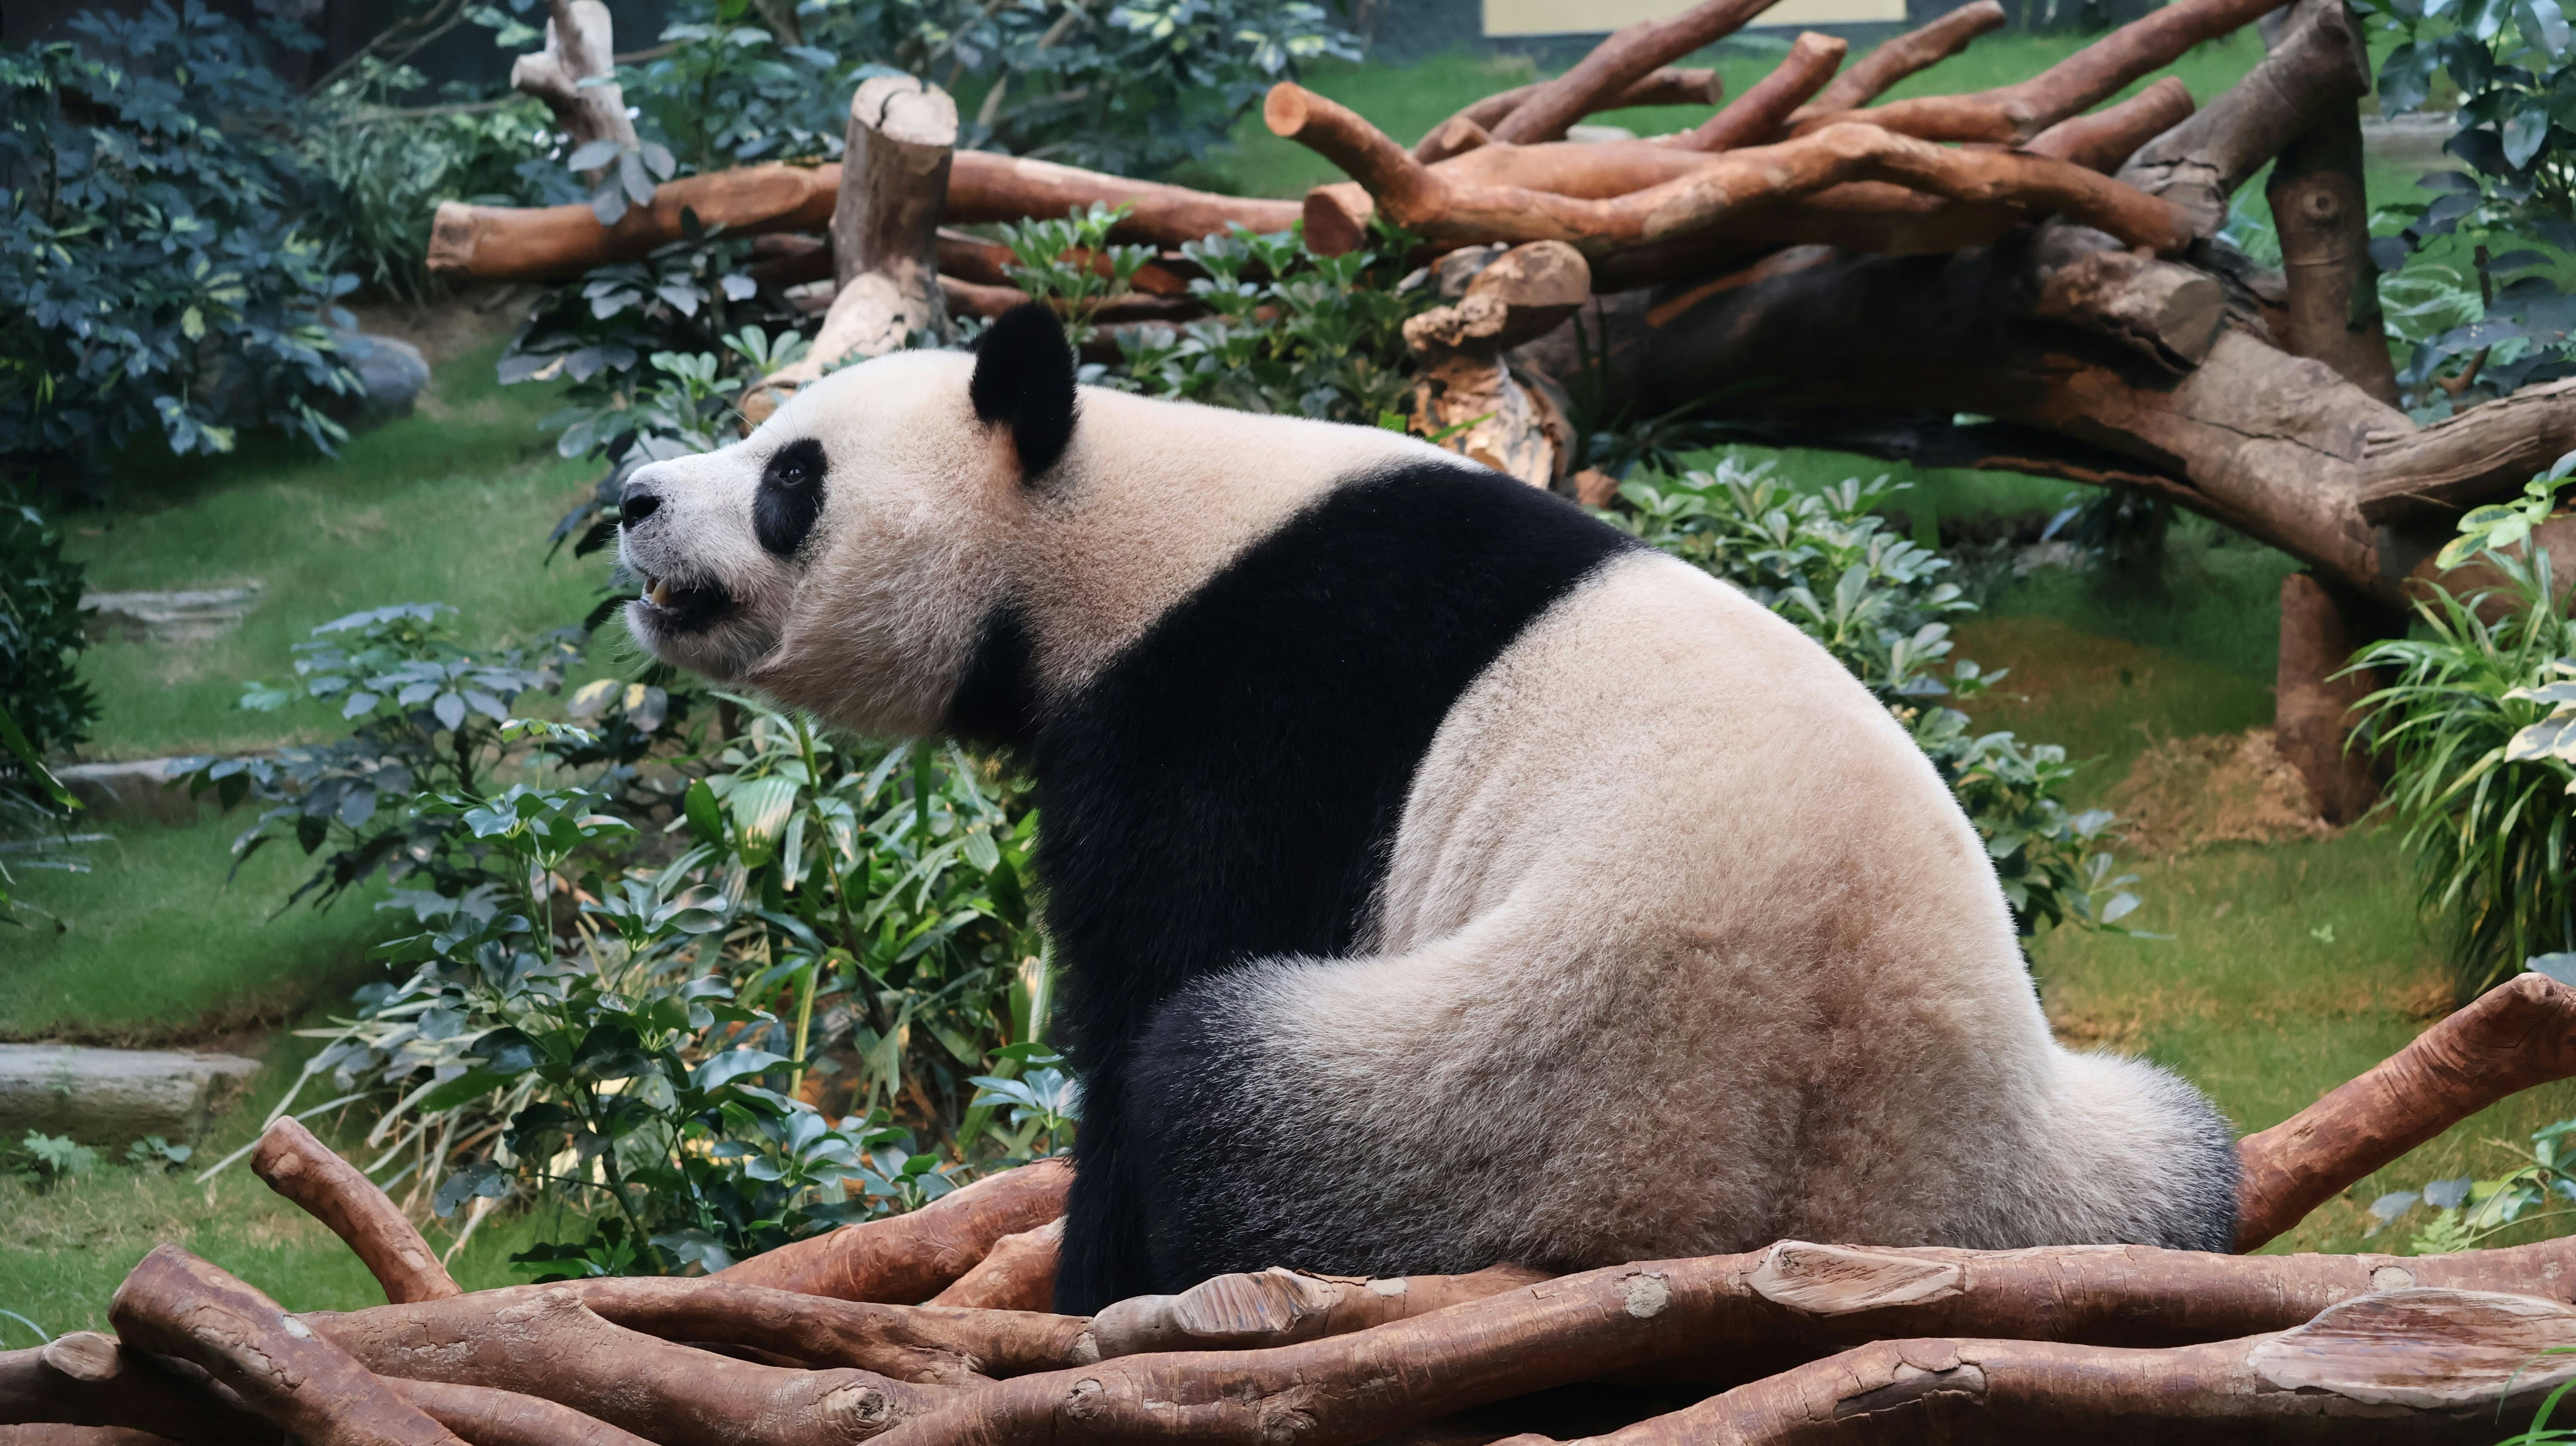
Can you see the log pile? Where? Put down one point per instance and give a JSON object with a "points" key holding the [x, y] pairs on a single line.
{"points": [[2023, 278], [931, 1329]]}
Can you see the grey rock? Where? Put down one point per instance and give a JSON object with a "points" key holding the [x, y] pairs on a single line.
{"points": [[114, 1097], [187, 616], [2414, 139], [390, 371], [131, 791]]}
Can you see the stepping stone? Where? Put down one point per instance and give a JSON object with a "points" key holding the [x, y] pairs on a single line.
{"points": [[129, 790], [113, 1097], [188, 616]]}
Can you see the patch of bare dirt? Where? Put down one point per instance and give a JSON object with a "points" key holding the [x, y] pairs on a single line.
{"points": [[2187, 793], [468, 318]]}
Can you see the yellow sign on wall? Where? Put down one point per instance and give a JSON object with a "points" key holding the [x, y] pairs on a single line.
{"points": [[1593, 17]]}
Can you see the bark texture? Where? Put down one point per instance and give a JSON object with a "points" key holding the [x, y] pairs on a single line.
{"points": [[580, 41], [913, 1257], [337, 1193]]}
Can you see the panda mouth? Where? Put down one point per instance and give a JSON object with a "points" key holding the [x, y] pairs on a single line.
{"points": [[678, 607]]}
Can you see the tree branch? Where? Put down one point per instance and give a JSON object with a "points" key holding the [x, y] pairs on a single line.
{"points": [[1915, 50], [1619, 62], [1664, 86], [335, 1192], [914, 1256], [1757, 115]]}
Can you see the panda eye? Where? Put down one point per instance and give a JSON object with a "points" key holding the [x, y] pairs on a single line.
{"points": [[795, 465]]}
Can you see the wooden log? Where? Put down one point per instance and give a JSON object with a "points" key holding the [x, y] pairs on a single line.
{"points": [[84, 1379], [1463, 386], [177, 1305], [1724, 1319], [1017, 1274], [2415, 1366], [1916, 50], [2322, 626], [2322, 215], [885, 226], [1757, 116], [2104, 140], [2315, 71], [2167, 312], [335, 1192], [912, 1257], [1618, 63], [575, 76], [547, 1344], [486, 1417], [1664, 85], [1729, 185], [2470, 457], [2013, 114], [2515, 1036], [1283, 1307], [509, 243]]}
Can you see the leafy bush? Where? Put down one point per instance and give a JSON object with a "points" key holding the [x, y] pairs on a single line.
{"points": [[1877, 602], [2468, 1212], [2504, 322], [628, 993], [429, 718], [1294, 332], [2479, 751], [383, 171], [152, 277], [44, 706]]}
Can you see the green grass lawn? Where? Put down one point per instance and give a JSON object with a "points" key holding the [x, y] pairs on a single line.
{"points": [[451, 504]]}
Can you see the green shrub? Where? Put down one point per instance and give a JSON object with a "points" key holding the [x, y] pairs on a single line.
{"points": [[383, 171], [44, 706], [1877, 602], [2480, 755], [153, 279]]}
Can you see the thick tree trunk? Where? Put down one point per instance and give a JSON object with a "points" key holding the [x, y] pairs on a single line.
{"points": [[2323, 217], [2322, 625]]}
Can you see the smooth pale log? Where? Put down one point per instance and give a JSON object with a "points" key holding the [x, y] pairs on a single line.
{"points": [[1017, 1274], [1627, 57], [86, 1381], [1283, 1307], [335, 1192], [1916, 50], [546, 1343], [2013, 114], [1729, 185], [913, 1256], [2411, 1366], [580, 41], [2104, 140], [175, 1304], [1662, 86], [486, 1417], [1758, 115], [511, 243]]}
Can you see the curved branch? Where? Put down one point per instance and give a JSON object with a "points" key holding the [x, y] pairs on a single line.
{"points": [[1916, 50], [1619, 62], [2016, 113], [912, 1257], [1664, 86], [1757, 115], [2316, 69], [2514, 1037], [1711, 195], [2104, 140], [337, 1193], [2470, 457]]}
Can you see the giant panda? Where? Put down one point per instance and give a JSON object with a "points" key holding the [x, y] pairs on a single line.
{"points": [[1441, 878]]}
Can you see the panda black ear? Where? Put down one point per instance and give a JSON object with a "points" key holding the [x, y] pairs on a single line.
{"points": [[1024, 378]]}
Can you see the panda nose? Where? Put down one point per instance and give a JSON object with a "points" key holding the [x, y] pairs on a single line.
{"points": [[634, 504]]}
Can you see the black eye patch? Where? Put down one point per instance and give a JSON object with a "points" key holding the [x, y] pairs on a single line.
{"points": [[790, 497]]}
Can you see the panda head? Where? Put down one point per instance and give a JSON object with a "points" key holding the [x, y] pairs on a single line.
{"points": [[846, 556]]}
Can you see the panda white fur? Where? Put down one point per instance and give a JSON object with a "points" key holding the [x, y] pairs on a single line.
{"points": [[1441, 877]]}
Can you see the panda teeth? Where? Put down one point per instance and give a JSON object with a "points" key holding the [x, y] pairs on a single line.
{"points": [[657, 592]]}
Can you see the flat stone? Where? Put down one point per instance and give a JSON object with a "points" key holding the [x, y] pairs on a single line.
{"points": [[113, 1097], [131, 791], [186, 616], [391, 372], [2415, 138]]}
